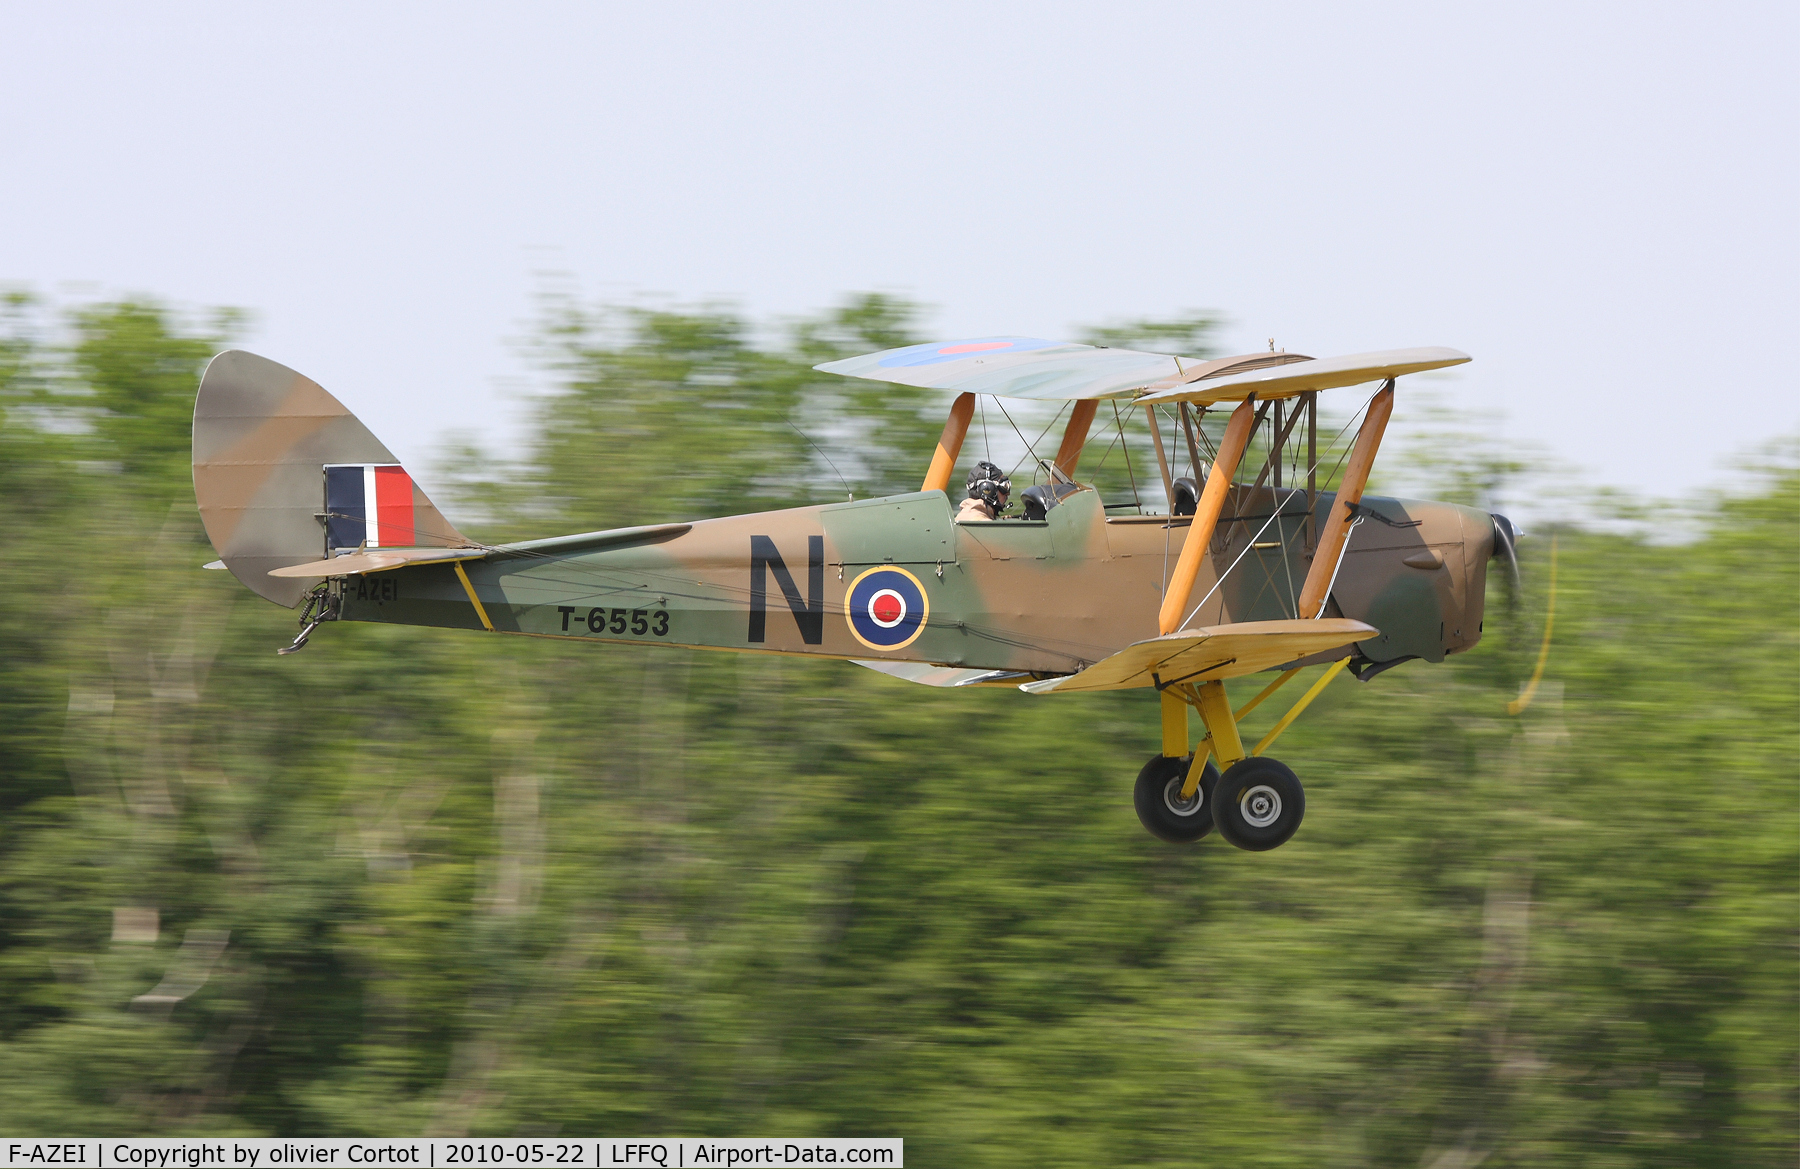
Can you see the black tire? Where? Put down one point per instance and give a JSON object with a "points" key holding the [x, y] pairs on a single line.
{"points": [[1258, 804], [1158, 800]]}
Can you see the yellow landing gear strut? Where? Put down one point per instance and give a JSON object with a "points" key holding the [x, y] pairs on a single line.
{"points": [[1222, 743], [1257, 802]]}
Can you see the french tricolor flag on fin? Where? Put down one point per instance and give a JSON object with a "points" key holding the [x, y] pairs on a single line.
{"points": [[368, 505]]}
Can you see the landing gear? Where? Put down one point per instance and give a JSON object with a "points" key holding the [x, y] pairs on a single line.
{"points": [[321, 606], [1258, 803], [1160, 807]]}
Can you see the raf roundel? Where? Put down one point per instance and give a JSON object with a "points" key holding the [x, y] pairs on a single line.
{"points": [[886, 608]]}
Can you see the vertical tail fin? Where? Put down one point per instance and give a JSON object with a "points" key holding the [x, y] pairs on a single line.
{"points": [[285, 475]]}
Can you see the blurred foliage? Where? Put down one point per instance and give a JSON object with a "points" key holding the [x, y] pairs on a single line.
{"points": [[484, 885], [138, 375], [1190, 335], [662, 414]]}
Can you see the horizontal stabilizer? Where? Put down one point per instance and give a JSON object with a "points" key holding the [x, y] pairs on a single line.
{"points": [[378, 560], [1209, 653]]}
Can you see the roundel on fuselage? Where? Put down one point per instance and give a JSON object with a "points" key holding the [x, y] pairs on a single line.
{"points": [[886, 608]]}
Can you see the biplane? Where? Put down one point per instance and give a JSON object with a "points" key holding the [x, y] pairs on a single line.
{"points": [[1249, 571]]}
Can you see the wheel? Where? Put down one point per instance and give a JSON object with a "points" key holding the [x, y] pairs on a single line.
{"points": [[1258, 804], [1159, 803]]}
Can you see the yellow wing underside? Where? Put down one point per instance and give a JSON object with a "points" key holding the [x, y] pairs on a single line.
{"points": [[1209, 653]]}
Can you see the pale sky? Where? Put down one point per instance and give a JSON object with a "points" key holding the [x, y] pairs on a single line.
{"points": [[1596, 201]]}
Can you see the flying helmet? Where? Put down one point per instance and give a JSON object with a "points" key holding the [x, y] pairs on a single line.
{"points": [[989, 484]]}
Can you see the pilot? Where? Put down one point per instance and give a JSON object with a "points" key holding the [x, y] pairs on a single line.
{"points": [[988, 491]]}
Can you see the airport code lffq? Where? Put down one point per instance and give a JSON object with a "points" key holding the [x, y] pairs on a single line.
{"points": [[437, 1153]]}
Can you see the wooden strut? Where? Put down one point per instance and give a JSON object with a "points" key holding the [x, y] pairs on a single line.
{"points": [[1162, 460], [943, 460], [1247, 500], [1280, 432], [1187, 425], [1074, 438], [1206, 516], [1316, 591]]}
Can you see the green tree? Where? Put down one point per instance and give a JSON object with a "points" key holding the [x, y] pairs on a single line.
{"points": [[1189, 334], [659, 415], [138, 370]]}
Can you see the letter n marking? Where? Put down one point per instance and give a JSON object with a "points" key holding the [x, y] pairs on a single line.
{"points": [[809, 611]]}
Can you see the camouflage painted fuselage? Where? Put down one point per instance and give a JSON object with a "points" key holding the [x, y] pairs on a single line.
{"points": [[1044, 597]]}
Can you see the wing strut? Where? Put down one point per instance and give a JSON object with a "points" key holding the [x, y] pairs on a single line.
{"points": [[1075, 437], [943, 460], [1187, 425], [1317, 590], [1162, 458]]}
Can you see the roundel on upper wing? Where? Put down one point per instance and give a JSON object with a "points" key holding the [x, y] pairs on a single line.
{"points": [[886, 608], [939, 352]]}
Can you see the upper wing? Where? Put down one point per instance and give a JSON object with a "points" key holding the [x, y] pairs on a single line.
{"points": [[1321, 373], [1024, 367], [1016, 367], [1216, 651]]}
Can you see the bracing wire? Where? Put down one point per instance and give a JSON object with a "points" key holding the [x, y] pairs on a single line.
{"points": [[815, 446], [1030, 449], [1126, 448]]}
